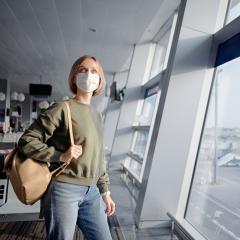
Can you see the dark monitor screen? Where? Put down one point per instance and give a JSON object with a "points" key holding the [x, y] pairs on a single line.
{"points": [[113, 90], [40, 89]]}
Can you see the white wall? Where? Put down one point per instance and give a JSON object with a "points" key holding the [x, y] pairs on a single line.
{"points": [[112, 114]]}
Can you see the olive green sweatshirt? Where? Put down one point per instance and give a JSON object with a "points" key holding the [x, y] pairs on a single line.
{"points": [[48, 137]]}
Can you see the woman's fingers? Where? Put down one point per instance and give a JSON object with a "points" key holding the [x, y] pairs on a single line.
{"points": [[113, 209], [108, 208], [110, 205], [76, 150]]}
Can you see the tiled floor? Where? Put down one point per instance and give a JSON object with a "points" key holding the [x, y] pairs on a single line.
{"points": [[125, 213], [35, 230]]}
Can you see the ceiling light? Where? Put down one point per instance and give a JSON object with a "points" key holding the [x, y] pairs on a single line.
{"points": [[2, 96], [92, 29], [14, 96], [17, 96], [43, 105], [65, 98], [21, 97]]}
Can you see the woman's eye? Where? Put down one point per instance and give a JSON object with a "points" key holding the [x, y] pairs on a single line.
{"points": [[83, 70], [94, 71]]}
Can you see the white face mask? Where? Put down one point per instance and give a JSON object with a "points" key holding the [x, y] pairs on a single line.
{"points": [[87, 81]]}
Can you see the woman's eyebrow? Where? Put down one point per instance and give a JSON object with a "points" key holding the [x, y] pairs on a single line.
{"points": [[85, 67], [81, 67]]}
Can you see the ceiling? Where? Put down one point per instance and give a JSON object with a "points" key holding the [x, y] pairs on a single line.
{"points": [[41, 39]]}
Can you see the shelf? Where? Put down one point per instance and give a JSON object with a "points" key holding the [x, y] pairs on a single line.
{"points": [[132, 175], [136, 157], [140, 127]]}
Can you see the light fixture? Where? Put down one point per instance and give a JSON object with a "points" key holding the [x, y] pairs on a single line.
{"points": [[92, 29], [17, 96], [2, 96], [21, 97], [14, 96], [43, 105], [65, 98]]}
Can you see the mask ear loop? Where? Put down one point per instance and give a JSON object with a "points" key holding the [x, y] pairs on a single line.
{"points": [[94, 92]]}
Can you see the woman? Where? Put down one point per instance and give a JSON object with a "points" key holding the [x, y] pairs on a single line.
{"points": [[74, 197]]}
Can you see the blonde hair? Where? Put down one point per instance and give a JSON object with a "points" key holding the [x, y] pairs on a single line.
{"points": [[73, 72]]}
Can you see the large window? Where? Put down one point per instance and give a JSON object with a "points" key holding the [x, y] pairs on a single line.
{"points": [[160, 55], [137, 154], [140, 142], [163, 44], [214, 203], [234, 10]]}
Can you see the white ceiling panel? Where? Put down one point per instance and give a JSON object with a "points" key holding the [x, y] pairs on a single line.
{"points": [[47, 16], [70, 21], [11, 24], [30, 26]]}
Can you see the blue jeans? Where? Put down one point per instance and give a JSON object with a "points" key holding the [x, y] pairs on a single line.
{"points": [[66, 205]]}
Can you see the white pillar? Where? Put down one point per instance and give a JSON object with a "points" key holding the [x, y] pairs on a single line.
{"points": [[113, 111]]}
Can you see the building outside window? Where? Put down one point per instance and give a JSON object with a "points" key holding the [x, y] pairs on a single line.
{"points": [[214, 203], [163, 45]]}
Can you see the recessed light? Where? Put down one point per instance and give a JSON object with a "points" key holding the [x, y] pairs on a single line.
{"points": [[92, 29]]}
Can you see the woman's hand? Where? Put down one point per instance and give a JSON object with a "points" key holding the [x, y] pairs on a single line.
{"points": [[75, 151], [110, 205]]}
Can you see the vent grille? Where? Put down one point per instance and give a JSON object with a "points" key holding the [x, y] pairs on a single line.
{"points": [[3, 191], [2, 187]]}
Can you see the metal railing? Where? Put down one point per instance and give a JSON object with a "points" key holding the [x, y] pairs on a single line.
{"points": [[178, 229]]}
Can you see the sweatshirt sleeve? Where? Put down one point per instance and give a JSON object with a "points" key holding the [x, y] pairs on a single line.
{"points": [[103, 181], [33, 141]]}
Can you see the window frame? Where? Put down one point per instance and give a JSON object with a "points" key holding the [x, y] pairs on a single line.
{"points": [[148, 90], [219, 38]]}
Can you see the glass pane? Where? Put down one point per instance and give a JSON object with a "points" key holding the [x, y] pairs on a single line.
{"points": [[147, 111], [159, 55], [234, 10], [140, 143], [214, 201], [135, 167]]}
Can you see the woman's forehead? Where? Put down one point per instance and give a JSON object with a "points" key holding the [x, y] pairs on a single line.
{"points": [[90, 63]]}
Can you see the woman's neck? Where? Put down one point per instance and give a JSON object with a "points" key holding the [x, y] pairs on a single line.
{"points": [[84, 97]]}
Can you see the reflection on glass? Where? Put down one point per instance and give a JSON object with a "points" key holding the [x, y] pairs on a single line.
{"points": [[134, 166], [147, 111], [140, 143], [234, 10], [214, 201], [140, 137], [160, 54]]}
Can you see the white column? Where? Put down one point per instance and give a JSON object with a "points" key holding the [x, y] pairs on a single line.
{"points": [[113, 111]]}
